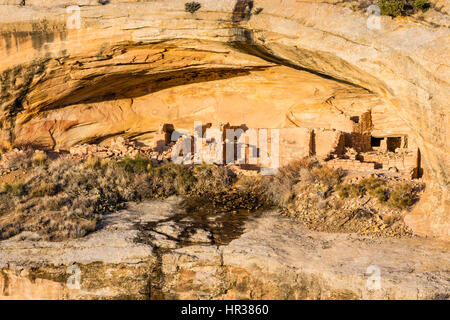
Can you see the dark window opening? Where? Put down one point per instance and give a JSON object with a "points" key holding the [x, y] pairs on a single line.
{"points": [[393, 143], [375, 142], [355, 119]]}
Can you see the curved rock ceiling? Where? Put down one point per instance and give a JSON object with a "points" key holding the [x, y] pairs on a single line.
{"points": [[135, 64]]}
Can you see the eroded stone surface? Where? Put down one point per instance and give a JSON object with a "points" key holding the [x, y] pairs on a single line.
{"points": [[274, 258]]}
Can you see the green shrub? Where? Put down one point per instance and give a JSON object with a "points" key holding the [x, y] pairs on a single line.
{"points": [[396, 8], [170, 179], [15, 189], [380, 193], [192, 7], [422, 5], [371, 183], [401, 196], [210, 179], [392, 8], [350, 190], [375, 187], [138, 164], [372, 186], [327, 176], [93, 162]]}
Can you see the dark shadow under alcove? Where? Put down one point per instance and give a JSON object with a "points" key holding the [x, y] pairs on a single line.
{"points": [[128, 85]]}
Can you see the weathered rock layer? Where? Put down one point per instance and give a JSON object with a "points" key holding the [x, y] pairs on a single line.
{"points": [[146, 252]]}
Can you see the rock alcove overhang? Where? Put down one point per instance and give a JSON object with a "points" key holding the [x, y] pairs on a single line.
{"points": [[120, 45]]}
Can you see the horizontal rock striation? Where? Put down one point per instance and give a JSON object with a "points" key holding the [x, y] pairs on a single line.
{"points": [[143, 252]]}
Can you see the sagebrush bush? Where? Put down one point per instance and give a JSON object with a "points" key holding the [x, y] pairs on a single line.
{"points": [[138, 164], [422, 5], [64, 200], [44, 189], [327, 176], [375, 187], [396, 8], [170, 179], [93, 162], [280, 188], [379, 193], [253, 189], [401, 196], [371, 183], [212, 178], [392, 8], [350, 190], [15, 189]]}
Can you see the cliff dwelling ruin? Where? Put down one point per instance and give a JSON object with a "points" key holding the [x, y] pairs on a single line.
{"points": [[357, 150], [353, 100], [97, 96]]}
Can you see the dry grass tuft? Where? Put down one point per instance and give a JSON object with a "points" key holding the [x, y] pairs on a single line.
{"points": [[39, 158]]}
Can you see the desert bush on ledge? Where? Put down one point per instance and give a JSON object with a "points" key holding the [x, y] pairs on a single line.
{"points": [[399, 196], [392, 8], [396, 8], [192, 7]]}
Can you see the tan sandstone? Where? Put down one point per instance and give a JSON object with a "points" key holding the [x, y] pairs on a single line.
{"points": [[273, 258], [135, 65]]}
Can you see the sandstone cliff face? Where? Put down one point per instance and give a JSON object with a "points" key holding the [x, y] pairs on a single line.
{"points": [[133, 65], [267, 258]]}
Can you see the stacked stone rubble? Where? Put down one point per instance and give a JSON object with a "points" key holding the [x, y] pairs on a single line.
{"points": [[118, 148]]}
